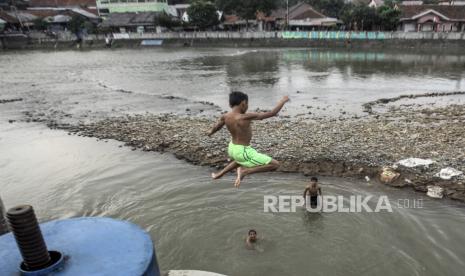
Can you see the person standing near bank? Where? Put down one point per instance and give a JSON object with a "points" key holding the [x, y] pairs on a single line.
{"points": [[312, 192]]}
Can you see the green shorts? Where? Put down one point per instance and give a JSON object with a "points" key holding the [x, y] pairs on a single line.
{"points": [[246, 156]]}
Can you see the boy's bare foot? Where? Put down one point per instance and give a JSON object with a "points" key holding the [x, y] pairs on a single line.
{"points": [[216, 175], [240, 176]]}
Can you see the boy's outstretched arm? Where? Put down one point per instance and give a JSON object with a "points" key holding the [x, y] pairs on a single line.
{"points": [[217, 127], [269, 114]]}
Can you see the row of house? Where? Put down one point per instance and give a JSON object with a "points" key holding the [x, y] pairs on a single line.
{"points": [[139, 15], [56, 13], [432, 18], [302, 16], [446, 16]]}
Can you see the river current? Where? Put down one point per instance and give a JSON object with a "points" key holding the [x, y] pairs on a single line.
{"points": [[197, 223]]}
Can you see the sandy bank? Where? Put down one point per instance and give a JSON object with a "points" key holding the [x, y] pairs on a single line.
{"points": [[331, 147]]}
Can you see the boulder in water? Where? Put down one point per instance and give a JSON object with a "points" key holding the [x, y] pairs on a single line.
{"points": [[388, 175], [435, 192], [415, 162], [448, 173]]}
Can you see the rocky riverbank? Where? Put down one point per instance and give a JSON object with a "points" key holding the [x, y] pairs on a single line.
{"points": [[362, 147]]}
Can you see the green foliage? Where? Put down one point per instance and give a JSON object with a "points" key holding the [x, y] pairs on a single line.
{"points": [[166, 21], [360, 17], [331, 8], [247, 9], [431, 2], [391, 3], [355, 16], [40, 24], [202, 14], [388, 18], [90, 27], [76, 24], [79, 23], [363, 18]]}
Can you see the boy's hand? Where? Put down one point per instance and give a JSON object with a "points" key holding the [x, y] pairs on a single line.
{"points": [[285, 99]]}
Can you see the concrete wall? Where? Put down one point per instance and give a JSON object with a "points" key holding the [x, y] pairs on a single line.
{"points": [[332, 35], [442, 42]]}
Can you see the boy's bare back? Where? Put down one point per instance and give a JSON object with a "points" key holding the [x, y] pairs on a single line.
{"points": [[239, 126], [238, 121]]}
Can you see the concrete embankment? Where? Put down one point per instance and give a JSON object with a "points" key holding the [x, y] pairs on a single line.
{"points": [[441, 42]]}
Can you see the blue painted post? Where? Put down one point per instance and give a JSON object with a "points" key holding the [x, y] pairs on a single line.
{"points": [[90, 246], [3, 224]]}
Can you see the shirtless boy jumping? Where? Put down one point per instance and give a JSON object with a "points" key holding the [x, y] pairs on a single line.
{"points": [[246, 159]]}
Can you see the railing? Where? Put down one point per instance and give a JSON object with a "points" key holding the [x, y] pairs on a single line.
{"points": [[313, 35]]}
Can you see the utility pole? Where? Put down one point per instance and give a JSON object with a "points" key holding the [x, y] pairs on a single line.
{"points": [[287, 16]]}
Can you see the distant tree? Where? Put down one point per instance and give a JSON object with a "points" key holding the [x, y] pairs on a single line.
{"points": [[164, 20], [90, 27], [247, 9], [40, 24], [434, 2], [388, 17], [331, 8], [360, 17], [202, 14], [391, 3], [347, 16], [76, 24]]}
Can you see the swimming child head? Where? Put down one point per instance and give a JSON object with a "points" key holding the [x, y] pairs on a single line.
{"points": [[252, 235], [313, 182]]}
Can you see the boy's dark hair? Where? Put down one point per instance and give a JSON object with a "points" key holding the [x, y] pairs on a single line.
{"points": [[314, 179], [236, 97], [252, 231]]}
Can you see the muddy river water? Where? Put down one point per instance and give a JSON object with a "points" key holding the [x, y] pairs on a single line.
{"points": [[197, 223]]}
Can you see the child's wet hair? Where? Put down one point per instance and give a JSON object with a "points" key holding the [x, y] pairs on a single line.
{"points": [[314, 179], [252, 231], [236, 97]]}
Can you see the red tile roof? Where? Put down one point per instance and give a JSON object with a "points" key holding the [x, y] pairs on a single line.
{"points": [[452, 12], [8, 18], [262, 16], [62, 3], [44, 13], [231, 19], [303, 11], [312, 14], [93, 11], [298, 12]]}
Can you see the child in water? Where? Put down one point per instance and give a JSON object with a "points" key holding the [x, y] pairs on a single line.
{"points": [[238, 121], [252, 242], [312, 192], [251, 239]]}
